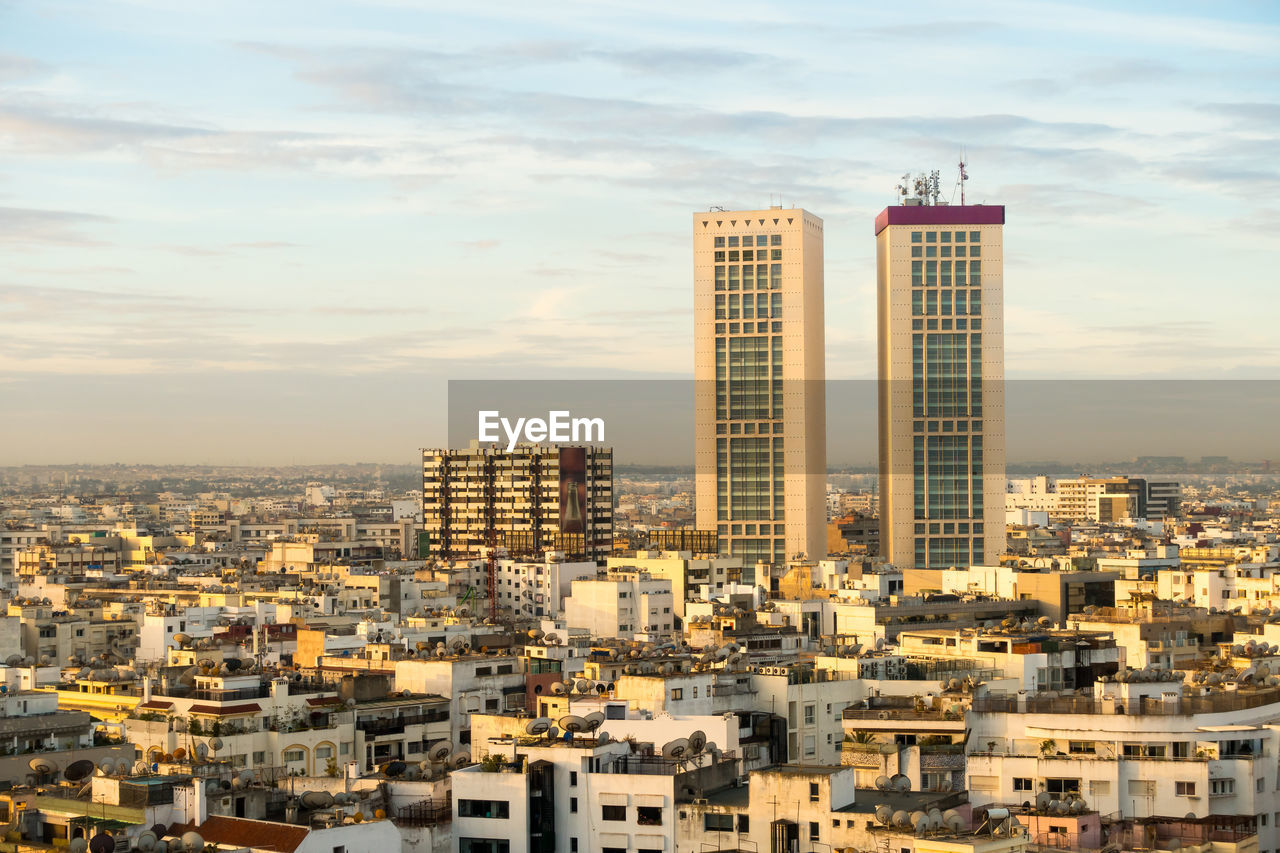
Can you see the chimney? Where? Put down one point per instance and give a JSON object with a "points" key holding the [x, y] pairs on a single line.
{"points": [[200, 805]]}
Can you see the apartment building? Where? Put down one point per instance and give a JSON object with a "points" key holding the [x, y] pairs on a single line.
{"points": [[530, 500], [1134, 749], [622, 605]]}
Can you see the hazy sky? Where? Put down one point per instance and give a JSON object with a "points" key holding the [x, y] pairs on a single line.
{"points": [[270, 232]]}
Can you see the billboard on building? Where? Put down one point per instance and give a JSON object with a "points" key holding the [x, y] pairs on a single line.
{"points": [[573, 489]]}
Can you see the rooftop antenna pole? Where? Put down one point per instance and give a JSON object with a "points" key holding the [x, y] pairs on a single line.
{"points": [[964, 176]]}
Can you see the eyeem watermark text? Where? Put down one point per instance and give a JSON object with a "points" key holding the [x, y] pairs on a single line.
{"points": [[559, 426]]}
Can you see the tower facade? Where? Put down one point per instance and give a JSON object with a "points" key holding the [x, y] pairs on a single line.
{"points": [[760, 441], [940, 318], [529, 500]]}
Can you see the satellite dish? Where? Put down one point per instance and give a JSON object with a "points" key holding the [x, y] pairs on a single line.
{"points": [[42, 765], [394, 769], [594, 720], [312, 800], [603, 738], [538, 726], [677, 749], [146, 841], [461, 758], [439, 751], [202, 751], [78, 770], [78, 845], [572, 723], [215, 743], [102, 843], [192, 841], [697, 742]]}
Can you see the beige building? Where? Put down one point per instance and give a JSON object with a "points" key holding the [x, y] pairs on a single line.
{"points": [[759, 366], [940, 317]]}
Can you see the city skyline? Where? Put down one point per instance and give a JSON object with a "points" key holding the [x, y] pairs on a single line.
{"points": [[299, 221]]}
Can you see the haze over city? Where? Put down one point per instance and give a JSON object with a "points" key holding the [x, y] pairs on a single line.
{"points": [[271, 233]]}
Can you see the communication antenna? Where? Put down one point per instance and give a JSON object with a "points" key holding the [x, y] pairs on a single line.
{"points": [[964, 176]]}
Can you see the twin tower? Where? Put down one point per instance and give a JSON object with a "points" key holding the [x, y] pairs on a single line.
{"points": [[760, 375]]}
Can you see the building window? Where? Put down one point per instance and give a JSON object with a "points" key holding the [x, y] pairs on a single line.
{"points": [[484, 808], [1021, 783], [573, 777], [813, 830], [813, 792], [613, 812], [677, 693], [744, 823], [810, 712], [573, 841], [484, 845], [649, 815], [718, 822], [1222, 787], [573, 805], [1062, 786], [294, 755], [1081, 747], [1185, 789]]}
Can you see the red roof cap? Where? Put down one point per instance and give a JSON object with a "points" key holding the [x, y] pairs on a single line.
{"points": [[942, 214]]}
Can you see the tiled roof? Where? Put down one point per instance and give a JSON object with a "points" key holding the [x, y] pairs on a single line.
{"points": [[156, 704], [242, 832]]}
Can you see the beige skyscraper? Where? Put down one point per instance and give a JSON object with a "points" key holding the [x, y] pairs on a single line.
{"points": [[760, 445], [940, 305]]}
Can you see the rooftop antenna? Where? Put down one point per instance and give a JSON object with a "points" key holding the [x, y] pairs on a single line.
{"points": [[964, 176]]}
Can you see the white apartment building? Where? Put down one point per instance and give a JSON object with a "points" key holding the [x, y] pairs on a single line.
{"points": [[691, 577], [540, 588], [1248, 586], [578, 795], [473, 683], [1137, 749], [624, 605]]}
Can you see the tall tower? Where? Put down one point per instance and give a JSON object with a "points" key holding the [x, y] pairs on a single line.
{"points": [[760, 443], [940, 317]]}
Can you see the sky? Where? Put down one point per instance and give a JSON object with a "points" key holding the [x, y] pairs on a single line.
{"points": [[271, 233]]}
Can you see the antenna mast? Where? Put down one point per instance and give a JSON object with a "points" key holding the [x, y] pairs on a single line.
{"points": [[964, 176]]}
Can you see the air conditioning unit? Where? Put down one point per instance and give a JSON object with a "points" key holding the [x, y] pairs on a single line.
{"points": [[700, 801]]}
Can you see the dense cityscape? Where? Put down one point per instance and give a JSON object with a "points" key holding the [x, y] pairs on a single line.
{"points": [[536, 648], [566, 428]]}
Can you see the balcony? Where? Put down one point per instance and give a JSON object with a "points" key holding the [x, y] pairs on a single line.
{"points": [[1212, 704]]}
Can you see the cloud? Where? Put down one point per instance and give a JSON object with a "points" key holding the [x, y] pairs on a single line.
{"points": [[14, 67], [24, 227], [47, 129], [1247, 116]]}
